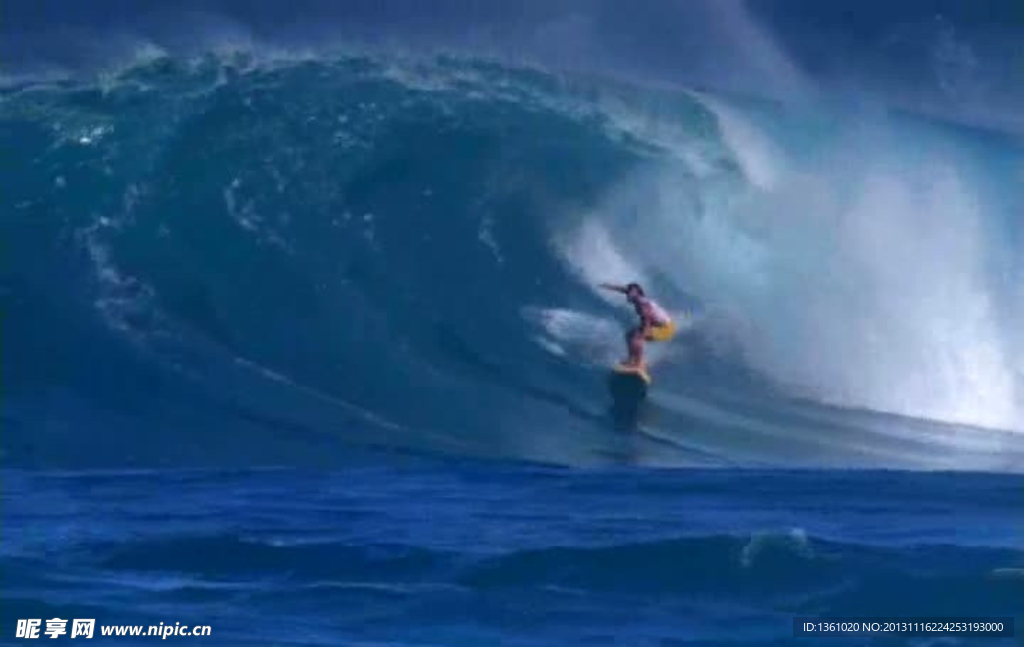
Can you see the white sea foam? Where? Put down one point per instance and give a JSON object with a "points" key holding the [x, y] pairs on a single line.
{"points": [[860, 275]]}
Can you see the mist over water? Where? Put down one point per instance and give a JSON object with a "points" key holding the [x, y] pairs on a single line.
{"points": [[864, 264]]}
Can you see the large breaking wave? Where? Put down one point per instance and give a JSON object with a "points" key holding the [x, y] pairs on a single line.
{"points": [[271, 260]]}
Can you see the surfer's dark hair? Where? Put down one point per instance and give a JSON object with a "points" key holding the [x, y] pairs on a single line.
{"points": [[635, 286]]}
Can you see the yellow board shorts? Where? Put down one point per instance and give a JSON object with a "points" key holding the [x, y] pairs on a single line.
{"points": [[663, 332]]}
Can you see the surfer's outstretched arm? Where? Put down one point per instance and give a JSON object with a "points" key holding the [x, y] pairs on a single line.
{"points": [[613, 288]]}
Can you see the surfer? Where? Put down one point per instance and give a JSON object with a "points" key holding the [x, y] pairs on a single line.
{"points": [[655, 323]]}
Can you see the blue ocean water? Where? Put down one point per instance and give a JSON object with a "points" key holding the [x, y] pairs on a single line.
{"points": [[305, 344], [416, 552]]}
